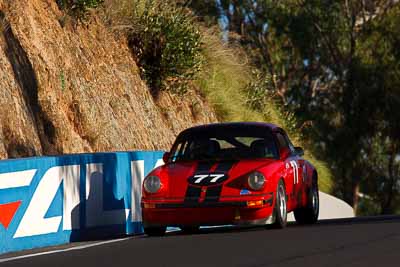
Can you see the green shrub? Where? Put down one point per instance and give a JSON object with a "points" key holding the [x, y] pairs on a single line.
{"points": [[257, 91], [78, 8], [167, 45]]}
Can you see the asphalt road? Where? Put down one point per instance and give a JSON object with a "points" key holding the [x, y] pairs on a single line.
{"points": [[348, 242]]}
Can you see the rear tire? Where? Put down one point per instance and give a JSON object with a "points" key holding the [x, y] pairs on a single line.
{"points": [[280, 208], [155, 231], [309, 214]]}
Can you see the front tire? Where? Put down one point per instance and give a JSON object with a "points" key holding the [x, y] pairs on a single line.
{"points": [[280, 208], [309, 214], [155, 231]]}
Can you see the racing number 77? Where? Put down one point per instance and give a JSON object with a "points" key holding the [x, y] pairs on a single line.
{"points": [[201, 177]]}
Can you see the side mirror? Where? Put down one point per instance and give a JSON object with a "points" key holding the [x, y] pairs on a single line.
{"points": [[299, 151], [165, 157], [284, 153]]}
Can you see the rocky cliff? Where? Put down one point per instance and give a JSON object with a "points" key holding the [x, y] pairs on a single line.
{"points": [[66, 89]]}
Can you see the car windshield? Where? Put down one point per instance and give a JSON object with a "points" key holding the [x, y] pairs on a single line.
{"points": [[224, 145]]}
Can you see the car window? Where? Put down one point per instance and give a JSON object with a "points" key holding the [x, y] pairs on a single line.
{"points": [[291, 146], [282, 142], [225, 146]]}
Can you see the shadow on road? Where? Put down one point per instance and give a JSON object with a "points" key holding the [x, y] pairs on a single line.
{"points": [[321, 223]]}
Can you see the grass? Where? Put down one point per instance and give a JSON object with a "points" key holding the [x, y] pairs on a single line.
{"points": [[224, 76]]}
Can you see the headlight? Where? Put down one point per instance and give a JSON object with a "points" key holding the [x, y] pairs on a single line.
{"points": [[256, 180], [152, 184]]}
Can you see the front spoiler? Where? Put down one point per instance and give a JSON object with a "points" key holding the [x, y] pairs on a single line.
{"points": [[166, 203], [207, 205]]}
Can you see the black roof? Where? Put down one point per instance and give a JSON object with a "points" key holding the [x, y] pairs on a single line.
{"points": [[231, 126]]}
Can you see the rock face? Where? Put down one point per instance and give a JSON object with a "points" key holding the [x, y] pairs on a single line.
{"points": [[67, 89]]}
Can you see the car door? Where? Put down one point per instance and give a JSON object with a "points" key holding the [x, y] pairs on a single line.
{"points": [[294, 171]]}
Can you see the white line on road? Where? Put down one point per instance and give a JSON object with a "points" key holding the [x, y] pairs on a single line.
{"points": [[169, 230], [63, 250]]}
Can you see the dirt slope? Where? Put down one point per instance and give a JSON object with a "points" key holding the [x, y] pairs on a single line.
{"points": [[68, 90]]}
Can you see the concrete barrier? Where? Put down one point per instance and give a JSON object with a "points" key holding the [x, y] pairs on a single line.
{"points": [[330, 208], [55, 200]]}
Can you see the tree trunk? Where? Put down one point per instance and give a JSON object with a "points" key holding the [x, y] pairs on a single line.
{"points": [[387, 203], [356, 191]]}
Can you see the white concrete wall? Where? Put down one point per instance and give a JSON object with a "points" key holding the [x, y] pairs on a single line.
{"points": [[330, 208]]}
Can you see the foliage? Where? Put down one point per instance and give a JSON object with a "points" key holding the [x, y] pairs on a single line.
{"points": [[167, 44], [224, 78], [384, 167], [258, 90], [78, 8], [207, 10]]}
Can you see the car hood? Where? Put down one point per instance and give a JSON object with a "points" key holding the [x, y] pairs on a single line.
{"points": [[179, 175]]}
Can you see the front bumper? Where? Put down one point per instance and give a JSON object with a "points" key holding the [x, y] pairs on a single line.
{"points": [[243, 211]]}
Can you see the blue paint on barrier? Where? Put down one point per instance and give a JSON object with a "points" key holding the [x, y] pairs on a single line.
{"points": [[71, 197]]}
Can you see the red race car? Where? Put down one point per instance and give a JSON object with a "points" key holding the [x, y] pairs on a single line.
{"points": [[230, 173]]}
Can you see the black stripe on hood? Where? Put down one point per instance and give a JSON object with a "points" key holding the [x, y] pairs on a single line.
{"points": [[214, 192], [193, 192]]}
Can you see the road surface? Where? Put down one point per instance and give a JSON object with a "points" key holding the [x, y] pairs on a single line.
{"points": [[363, 242]]}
